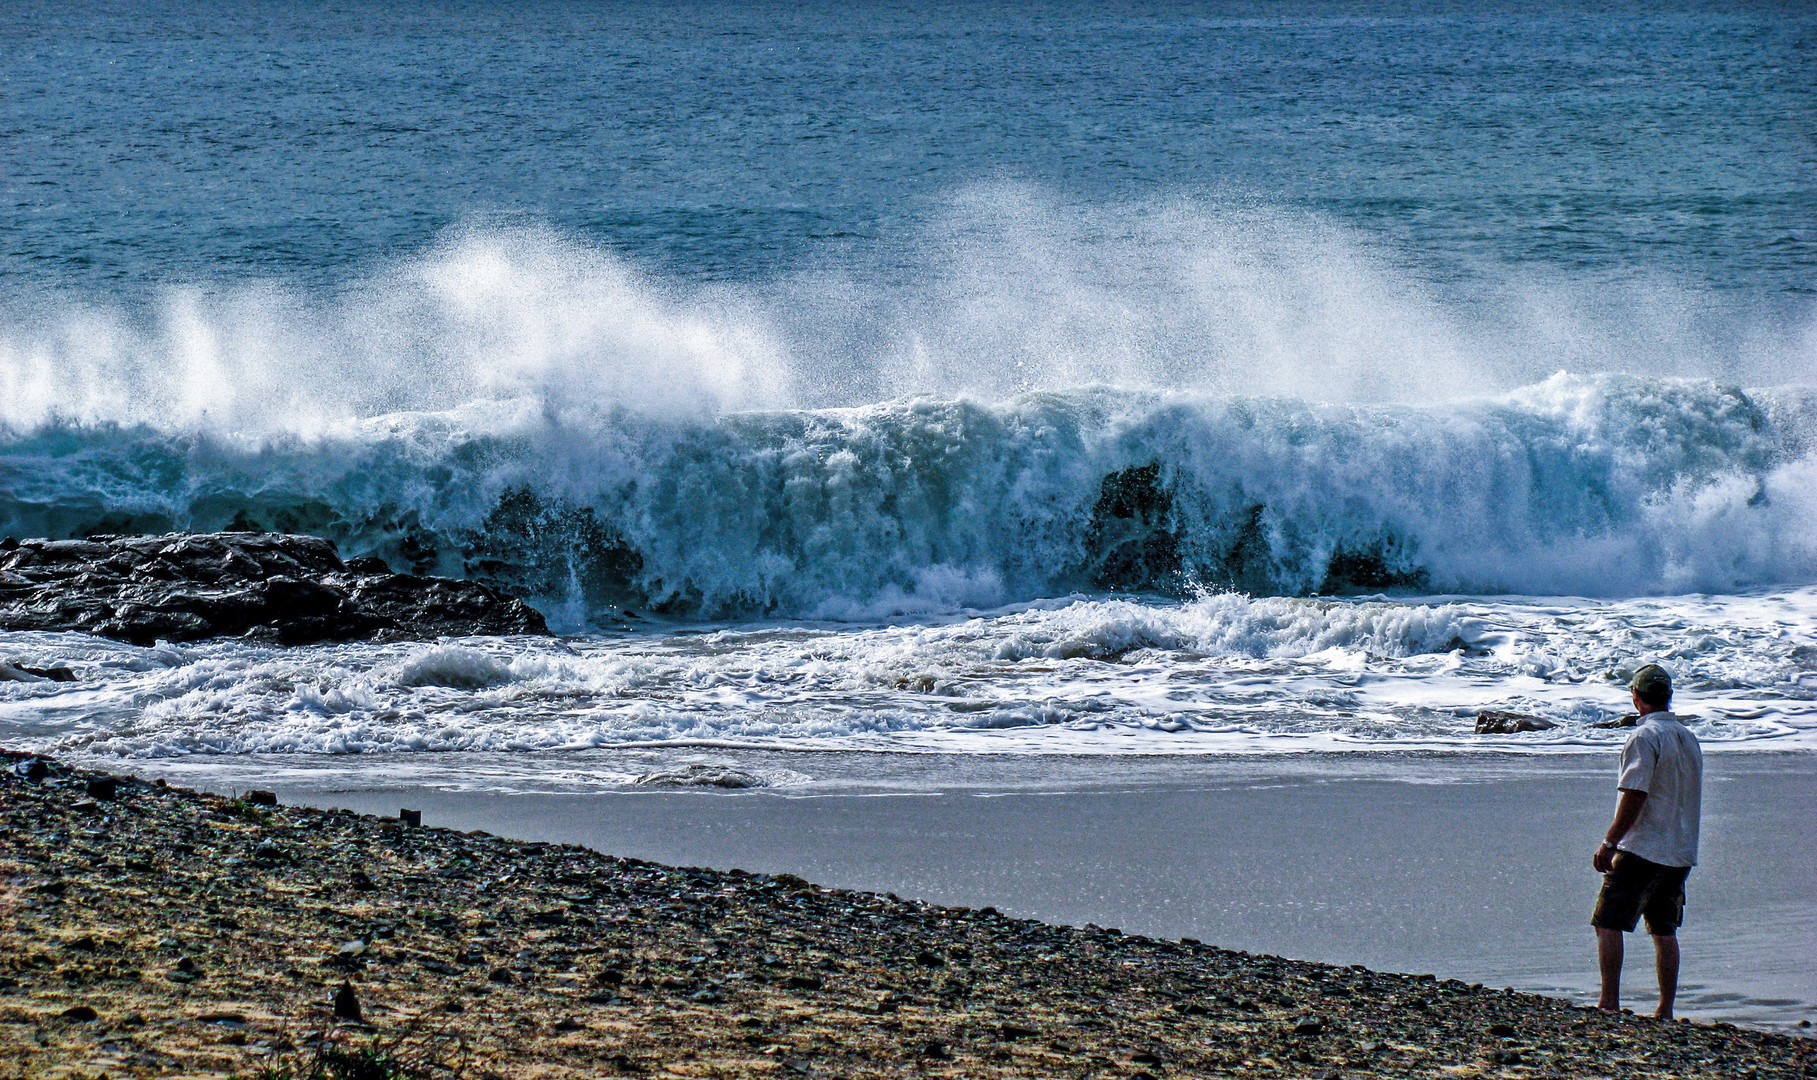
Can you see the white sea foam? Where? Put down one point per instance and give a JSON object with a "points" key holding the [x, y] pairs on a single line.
{"points": [[1224, 673]]}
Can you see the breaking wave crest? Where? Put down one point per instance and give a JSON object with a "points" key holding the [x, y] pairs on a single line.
{"points": [[1589, 485]]}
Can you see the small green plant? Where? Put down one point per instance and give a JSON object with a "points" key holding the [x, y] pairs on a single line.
{"points": [[336, 1063], [247, 812]]}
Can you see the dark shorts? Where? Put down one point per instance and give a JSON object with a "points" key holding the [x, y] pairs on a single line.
{"points": [[1634, 887]]}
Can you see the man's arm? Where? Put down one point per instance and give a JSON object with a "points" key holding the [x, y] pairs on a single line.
{"points": [[1627, 812]]}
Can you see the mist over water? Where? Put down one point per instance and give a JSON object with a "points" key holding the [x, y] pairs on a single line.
{"points": [[1007, 291]]}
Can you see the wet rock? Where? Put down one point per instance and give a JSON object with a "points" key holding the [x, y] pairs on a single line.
{"points": [[1619, 722], [80, 1014], [718, 776], [102, 787], [1309, 1025], [265, 586], [1494, 722], [31, 769], [261, 798], [21, 673], [1502, 1031]]}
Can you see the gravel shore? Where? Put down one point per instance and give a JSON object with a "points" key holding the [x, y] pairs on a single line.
{"points": [[152, 931]]}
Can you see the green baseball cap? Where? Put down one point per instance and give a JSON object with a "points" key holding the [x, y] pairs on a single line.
{"points": [[1651, 679]]}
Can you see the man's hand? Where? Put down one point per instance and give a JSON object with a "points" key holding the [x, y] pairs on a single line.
{"points": [[1627, 812]]}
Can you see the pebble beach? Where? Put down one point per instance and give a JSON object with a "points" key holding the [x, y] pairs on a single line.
{"points": [[150, 930]]}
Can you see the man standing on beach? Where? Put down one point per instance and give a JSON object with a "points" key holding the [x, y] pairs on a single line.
{"points": [[1652, 844]]}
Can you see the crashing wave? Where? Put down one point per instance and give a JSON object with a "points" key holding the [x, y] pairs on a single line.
{"points": [[1594, 485]]}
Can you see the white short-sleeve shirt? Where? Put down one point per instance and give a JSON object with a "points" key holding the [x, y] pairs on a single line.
{"points": [[1662, 758]]}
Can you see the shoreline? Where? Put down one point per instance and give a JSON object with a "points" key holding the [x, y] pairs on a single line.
{"points": [[1339, 860], [205, 935]]}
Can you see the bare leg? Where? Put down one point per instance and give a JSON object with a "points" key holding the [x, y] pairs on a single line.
{"points": [[1608, 956], [1665, 952]]}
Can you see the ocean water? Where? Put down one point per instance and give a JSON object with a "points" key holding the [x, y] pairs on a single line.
{"points": [[1074, 378]]}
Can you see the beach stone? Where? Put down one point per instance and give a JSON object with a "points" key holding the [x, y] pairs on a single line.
{"points": [[102, 787], [346, 1003], [80, 1014]]}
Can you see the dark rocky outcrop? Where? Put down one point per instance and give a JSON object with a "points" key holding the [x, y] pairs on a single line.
{"points": [[272, 587], [1132, 541]]}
